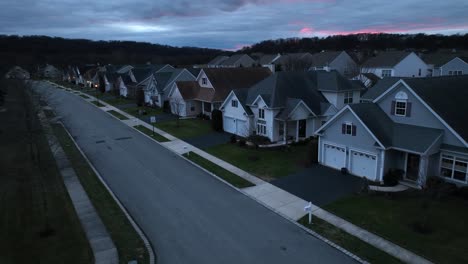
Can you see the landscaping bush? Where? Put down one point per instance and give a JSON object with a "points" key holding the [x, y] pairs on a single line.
{"points": [[392, 177], [140, 97], [312, 151], [259, 140], [242, 143], [233, 139], [166, 107], [446, 189], [462, 192], [217, 120], [434, 183]]}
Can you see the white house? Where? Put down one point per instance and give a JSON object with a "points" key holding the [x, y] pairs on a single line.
{"points": [[442, 64], [396, 64]]}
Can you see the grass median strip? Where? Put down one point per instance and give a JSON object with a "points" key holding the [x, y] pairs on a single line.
{"points": [[149, 132], [118, 115], [84, 96], [128, 243], [218, 171], [348, 242], [98, 103]]}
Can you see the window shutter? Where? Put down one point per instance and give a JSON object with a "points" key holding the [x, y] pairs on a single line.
{"points": [[408, 109], [354, 130], [343, 128], [392, 109]]}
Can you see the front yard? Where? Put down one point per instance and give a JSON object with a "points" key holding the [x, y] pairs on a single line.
{"points": [[264, 163], [186, 128], [394, 218], [148, 110]]}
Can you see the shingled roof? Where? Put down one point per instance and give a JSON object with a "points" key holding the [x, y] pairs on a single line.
{"points": [[439, 59], [386, 59], [323, 59]]}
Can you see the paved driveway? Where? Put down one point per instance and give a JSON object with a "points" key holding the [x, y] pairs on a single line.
{"points": [[209, 140], [187, 214], [319, 184]]}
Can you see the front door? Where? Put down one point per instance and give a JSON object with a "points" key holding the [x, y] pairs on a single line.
{"points": [[412, 167], [302, 128]]}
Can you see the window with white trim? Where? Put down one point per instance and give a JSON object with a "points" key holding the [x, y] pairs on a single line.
{"points": [[261, 128], [454, 168], [261, 113], [348, 97], [455, 72], [386, 73], [204, 81], [234, 103], [400, 107]]}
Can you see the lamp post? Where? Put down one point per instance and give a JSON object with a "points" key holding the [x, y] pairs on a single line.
{"points": [[97, 95]]}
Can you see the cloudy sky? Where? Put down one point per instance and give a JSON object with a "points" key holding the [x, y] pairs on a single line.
{"points": [[227, 24]]}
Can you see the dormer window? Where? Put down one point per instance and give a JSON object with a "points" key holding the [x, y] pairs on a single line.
{"points": [[261, 113], [204, 81], [401, 106]]}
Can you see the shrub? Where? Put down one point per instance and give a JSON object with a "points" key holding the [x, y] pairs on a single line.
{"points": [[259, 140], [434, 183], [446, 189], [242, 143], [140, 97], [392, 177], [166, 107], [312, 151], [217, 120], [233, 139], [462, 192]]}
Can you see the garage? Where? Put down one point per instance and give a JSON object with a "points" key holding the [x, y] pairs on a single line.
{"points": [[363, 164], [334, 156], [235, 126]]}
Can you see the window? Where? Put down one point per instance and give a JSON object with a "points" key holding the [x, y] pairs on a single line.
{"points": [[455, 72], [348, 97], [454, 168], [261, 129], [400, 108], [348, 129], [386, 73], [234, 103], [261, 113], [419, 72], [204, 81]]}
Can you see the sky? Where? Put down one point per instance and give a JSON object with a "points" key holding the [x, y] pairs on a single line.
{"points": [[227, 24]]}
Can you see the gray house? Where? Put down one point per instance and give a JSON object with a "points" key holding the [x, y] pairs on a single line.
{"points": [[335, 60], [417, 125], [441, 64]]}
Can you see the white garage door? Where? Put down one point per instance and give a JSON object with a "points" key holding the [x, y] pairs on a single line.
{"points": [[334, 156], [229, 125], [363, 165]]}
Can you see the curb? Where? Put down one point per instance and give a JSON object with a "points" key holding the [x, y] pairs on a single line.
{"points": [[129, 217]]}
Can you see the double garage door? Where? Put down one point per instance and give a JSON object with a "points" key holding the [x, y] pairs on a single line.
{"points": [[235, 126], [360, 164]]}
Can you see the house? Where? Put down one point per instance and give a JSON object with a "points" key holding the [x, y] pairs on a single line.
{"points": [[395, 64], [294, 62], [287, 105], [268, 61], [210, 89], [214, 63], [417, 125], [17, 73], [49, 71], [367, 79], [236, 61], [442, 64], [334, 60]]}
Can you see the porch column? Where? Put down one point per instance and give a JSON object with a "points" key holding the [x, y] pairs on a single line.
{"points": [[422, 170], [285, 131], [203, 107], [297, 130]]}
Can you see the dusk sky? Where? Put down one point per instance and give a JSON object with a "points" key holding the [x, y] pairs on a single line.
{"points": [[227, 24]]}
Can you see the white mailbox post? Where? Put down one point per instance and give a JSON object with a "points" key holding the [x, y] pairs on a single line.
{"points": [[152, 121], [308, 209]]}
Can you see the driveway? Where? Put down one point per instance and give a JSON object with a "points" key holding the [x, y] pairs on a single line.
{"points": [[209, 140], [188, 215], [319, 184]]}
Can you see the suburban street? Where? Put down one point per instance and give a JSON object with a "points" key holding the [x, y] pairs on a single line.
{"points": [[188, 215]]}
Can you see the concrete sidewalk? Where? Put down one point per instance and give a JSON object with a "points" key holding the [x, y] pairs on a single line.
{"points": [[278, 200]]}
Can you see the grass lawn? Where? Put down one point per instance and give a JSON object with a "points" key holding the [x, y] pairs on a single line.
{"points": [[117, 114], [348, 242], [218, 171], [127, 241], [187, 128], [392, 217], [118, 101], [149, 110], [97, 103], [149, 132], [271, 164], [38, 223]]}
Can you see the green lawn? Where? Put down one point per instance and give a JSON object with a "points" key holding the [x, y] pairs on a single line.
{"points": [[97, 103], [187, 128], [271, 164], [218, 171], [127, 241], [117, 114], [393, 217], [115, 101], [348, 242], [150, 133], [149, 110]]}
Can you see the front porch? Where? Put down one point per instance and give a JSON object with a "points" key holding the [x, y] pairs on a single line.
{"points": [[414, 166], [293, 130]]}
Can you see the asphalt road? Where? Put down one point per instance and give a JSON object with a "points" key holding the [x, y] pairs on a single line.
{"points": [[188, 215]]}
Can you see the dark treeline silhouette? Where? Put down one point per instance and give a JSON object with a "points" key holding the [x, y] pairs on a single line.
{"points": [[362, 42], [29, 51]]}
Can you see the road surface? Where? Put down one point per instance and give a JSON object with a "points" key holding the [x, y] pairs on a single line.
{"points": [[188, 215]]}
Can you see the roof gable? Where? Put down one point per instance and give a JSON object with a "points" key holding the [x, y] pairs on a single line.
{"points": [[386, 59]]}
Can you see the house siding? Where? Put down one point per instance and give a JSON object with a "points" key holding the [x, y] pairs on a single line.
{"points": [[454, 65], [344, 64], [237, 113], [420, 115], [409, 67]]}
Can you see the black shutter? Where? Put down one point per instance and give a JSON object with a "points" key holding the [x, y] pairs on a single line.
{"points": [[392, 109], [354, 130], [408, 109], [343, 128]]}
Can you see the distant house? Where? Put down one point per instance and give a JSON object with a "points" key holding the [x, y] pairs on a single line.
{"points": [[443, 64], [268, 61], [416, 125], [288, 105], [294, 62], [210, 89], [367, 79], [214, 63], [49, 71], [237, 60], [395, 64], [335, 60], [17, 73]]}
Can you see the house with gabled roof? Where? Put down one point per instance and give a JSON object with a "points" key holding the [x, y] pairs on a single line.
{"points": [[236, 61], [334, 60], [395, 64], [268, 61], [442, 64], [416, 125], [287, 105], [215, 63], [210, 89], [294, 61]]}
